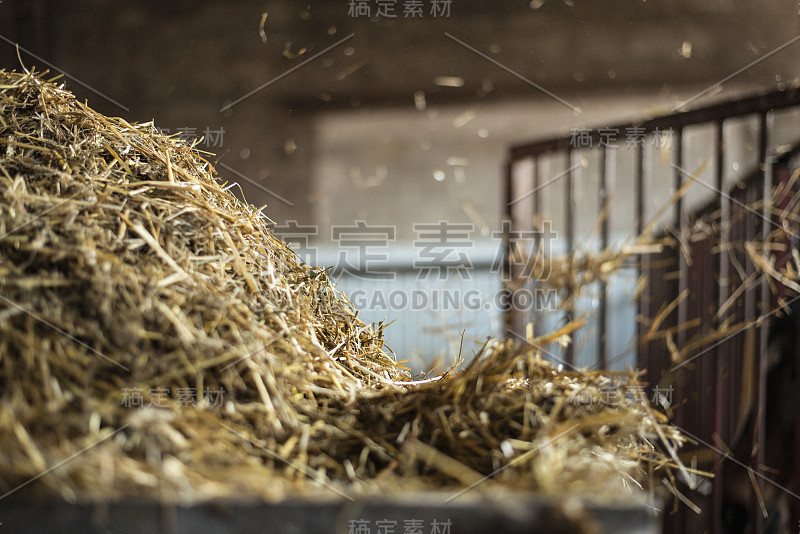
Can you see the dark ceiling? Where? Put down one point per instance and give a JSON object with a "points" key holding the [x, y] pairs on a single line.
{"points": [[568, 47]]}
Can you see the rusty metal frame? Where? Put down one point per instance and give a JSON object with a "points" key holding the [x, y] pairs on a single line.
{"points": [[717, 396]]}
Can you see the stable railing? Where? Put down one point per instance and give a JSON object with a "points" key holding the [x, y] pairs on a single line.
{"points": [[555, 178]]}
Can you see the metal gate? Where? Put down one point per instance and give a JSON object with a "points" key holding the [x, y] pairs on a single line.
{"points": [[748, 146]]}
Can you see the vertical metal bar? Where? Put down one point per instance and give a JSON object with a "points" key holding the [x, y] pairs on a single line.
{"points": [[538, 245], [782, 199], [795, 478], [749, 349], [508, 227], [680, 223], [520, 175], [680, 379], [537, 194], [639, 184], [720, 384], [569, 213], [766, 193], [677, 213], [642, 304], [604, 228], [570, 202], [539, 250]]}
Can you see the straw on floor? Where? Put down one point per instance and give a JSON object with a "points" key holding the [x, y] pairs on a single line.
{"points": [[157, 340]]}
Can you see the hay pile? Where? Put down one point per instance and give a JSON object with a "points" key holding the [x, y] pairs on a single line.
{"points": [[157, 337]]}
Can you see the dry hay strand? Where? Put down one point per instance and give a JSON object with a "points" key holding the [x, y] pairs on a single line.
{"points": [[772, 258], [569, 274], [133, 284]]}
